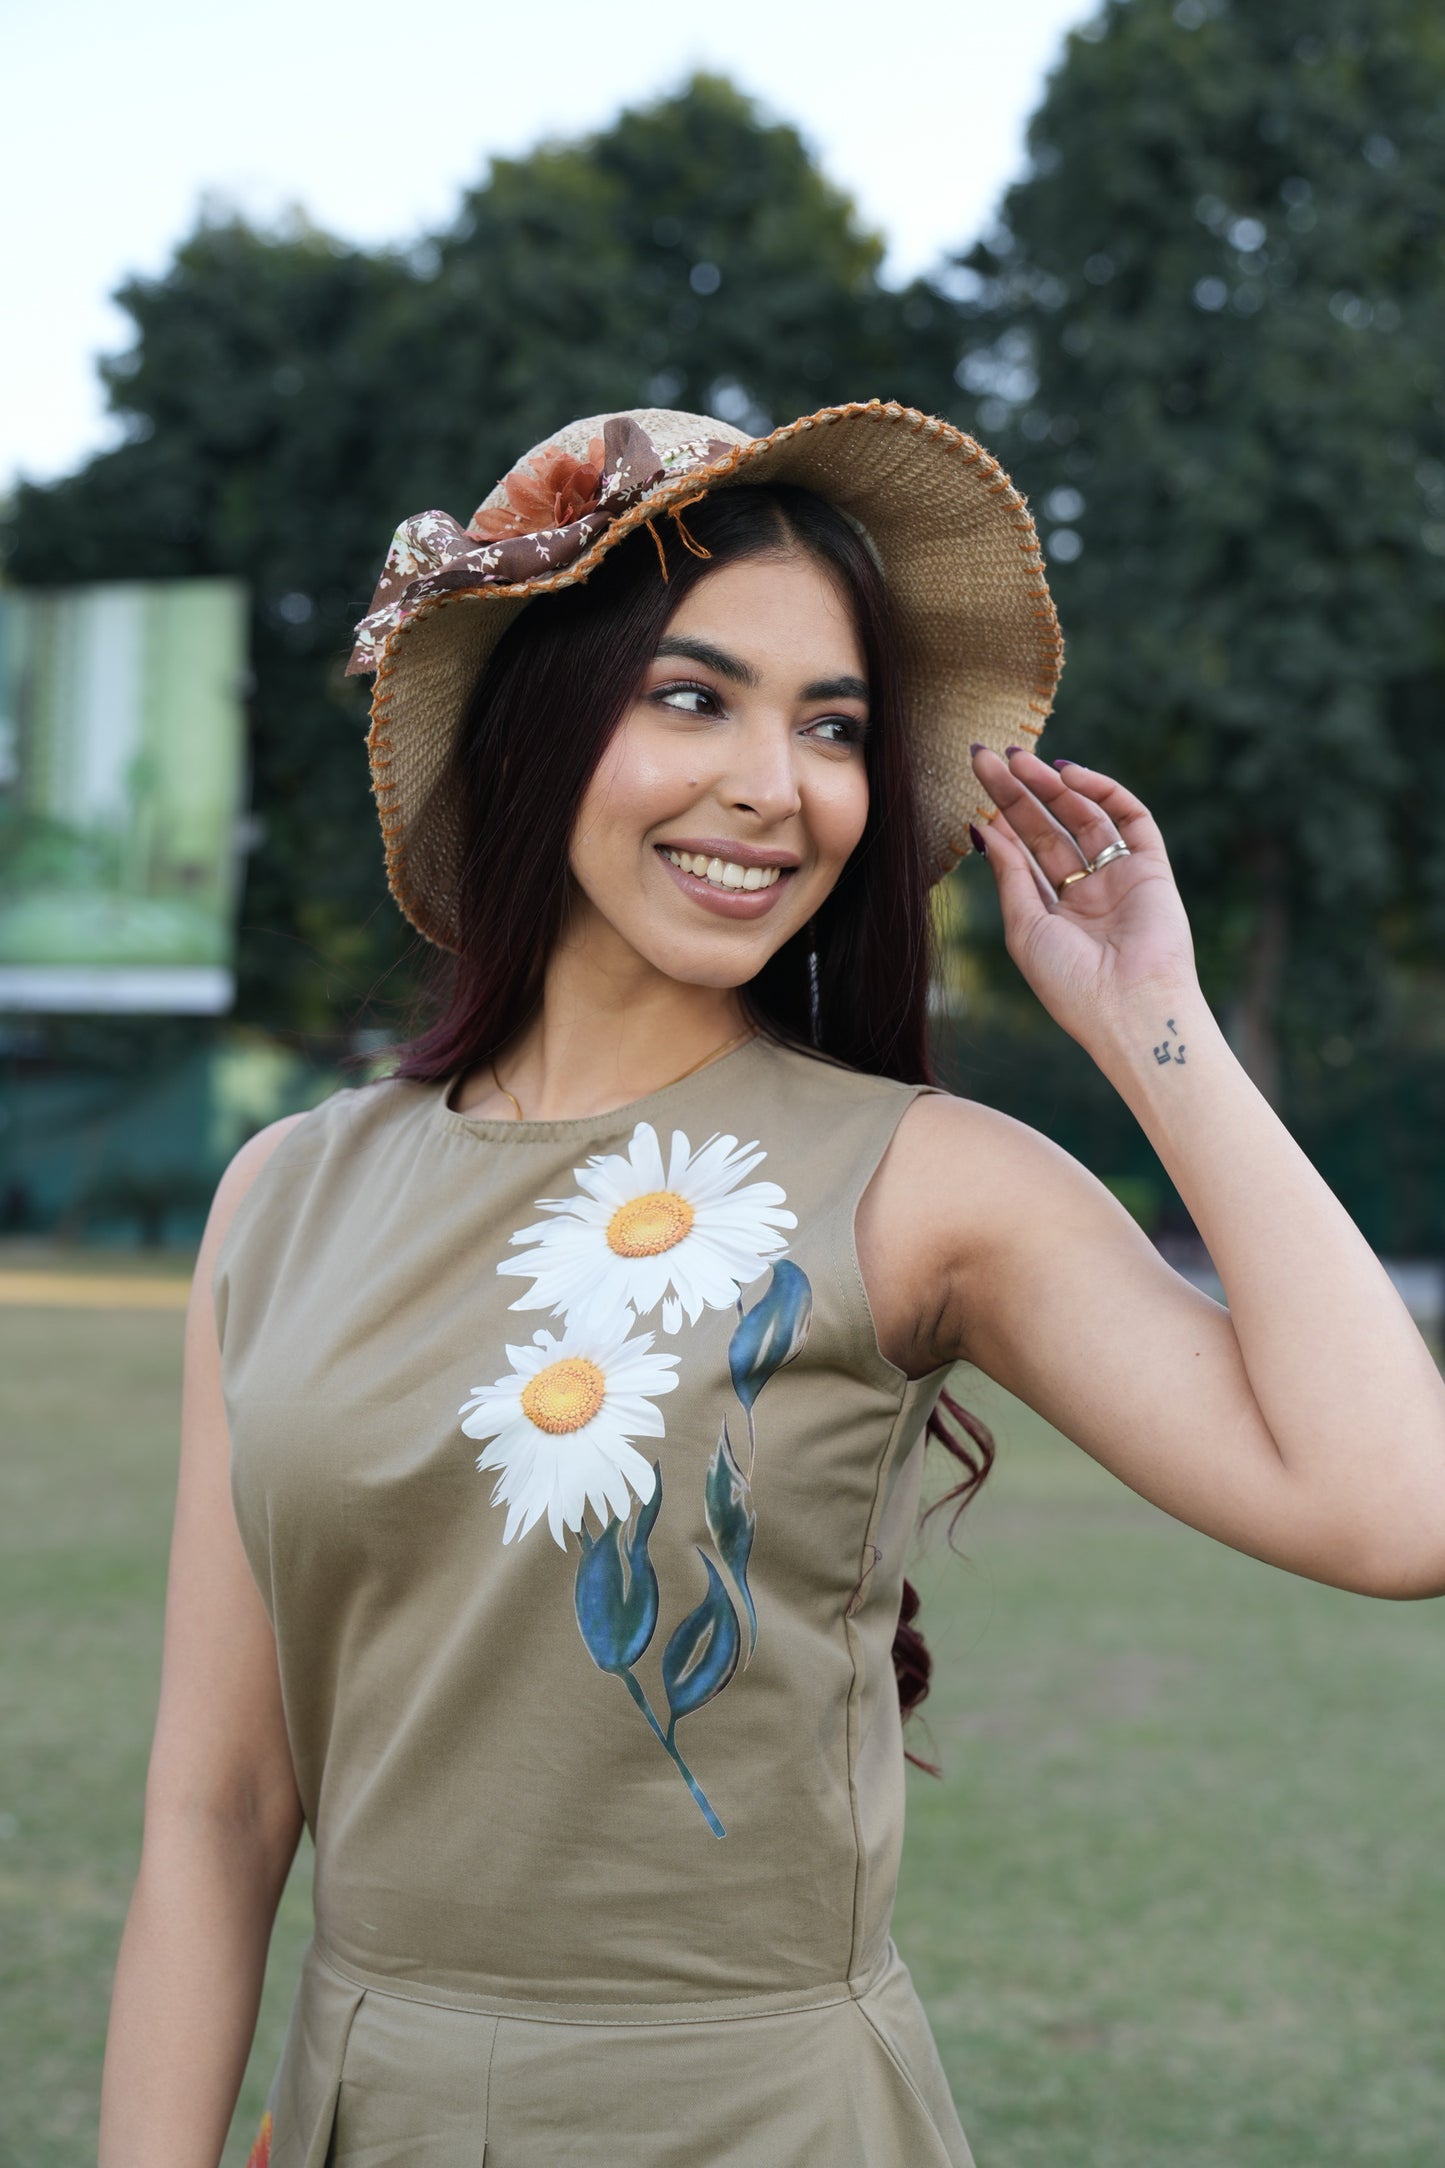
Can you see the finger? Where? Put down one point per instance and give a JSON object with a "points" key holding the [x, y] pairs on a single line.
{"points": [[1131, 817], [1082, 817], [1025, 895], [1018, 786]]}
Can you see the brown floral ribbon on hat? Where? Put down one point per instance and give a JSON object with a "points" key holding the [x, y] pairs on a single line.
{"points": [[556, 506]]}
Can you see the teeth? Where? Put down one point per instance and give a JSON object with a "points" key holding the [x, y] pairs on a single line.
{"points": [[725, 872]]}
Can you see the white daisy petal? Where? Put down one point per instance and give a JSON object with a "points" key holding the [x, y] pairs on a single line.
{"points": [[645, 1155], [720, 1166], [490, 1411], [608, 1182], [632, 1370], [671, 1314]]}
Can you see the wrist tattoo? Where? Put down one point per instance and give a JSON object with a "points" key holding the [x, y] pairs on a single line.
{"points": [[1162, 1053]]}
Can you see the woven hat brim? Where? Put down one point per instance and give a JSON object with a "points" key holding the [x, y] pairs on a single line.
{"points": [[980, 640]]}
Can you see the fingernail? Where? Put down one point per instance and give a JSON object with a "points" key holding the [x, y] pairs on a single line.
{"points": [[1009, 751], [977, 746], [1068, 764], [977, 840]]}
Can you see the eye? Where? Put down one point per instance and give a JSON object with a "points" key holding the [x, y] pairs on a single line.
{"points": [[839, 729], [687, 698]]}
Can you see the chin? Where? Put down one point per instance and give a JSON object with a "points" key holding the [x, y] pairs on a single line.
{"points": [[720, 961], [692, 968]]}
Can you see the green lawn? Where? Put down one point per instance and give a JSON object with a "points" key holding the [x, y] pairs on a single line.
{"points": [[1179, 1900]]}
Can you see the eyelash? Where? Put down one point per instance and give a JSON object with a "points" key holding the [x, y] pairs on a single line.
{"points": [[855, 729]]}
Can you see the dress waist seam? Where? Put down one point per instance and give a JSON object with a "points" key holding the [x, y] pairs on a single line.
{"points": [[702, 2010]]}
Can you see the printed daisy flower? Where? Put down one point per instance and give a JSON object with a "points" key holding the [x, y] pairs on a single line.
{"points": [[684, 1235], [561, 1425]]}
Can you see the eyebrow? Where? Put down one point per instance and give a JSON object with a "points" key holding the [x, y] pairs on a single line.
{"points": [[743, 673], [711, 658], [838, 688]]}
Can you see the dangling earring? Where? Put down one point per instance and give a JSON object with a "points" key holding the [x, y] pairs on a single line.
{"points": [[815, 1006]]}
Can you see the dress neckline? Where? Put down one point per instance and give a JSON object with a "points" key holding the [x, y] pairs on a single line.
{"points": [[501, 1128]]}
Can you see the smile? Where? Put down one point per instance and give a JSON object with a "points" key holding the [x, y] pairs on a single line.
{"points": [[723, 872]]}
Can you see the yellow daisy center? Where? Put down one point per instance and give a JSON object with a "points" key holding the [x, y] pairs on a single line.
{"points": [[565, 1395], [646, 1226]]}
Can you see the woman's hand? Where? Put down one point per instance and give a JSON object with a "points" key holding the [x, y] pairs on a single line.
{"points": [[1090, 953]]}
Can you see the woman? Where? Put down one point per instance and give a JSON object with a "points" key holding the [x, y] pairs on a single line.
{"points": [[575, 1378]]}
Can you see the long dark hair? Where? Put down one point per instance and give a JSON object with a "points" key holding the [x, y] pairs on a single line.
{"points": [[534, 729]]}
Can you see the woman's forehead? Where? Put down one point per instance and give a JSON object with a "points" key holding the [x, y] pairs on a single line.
{"points": [[780, 606]]}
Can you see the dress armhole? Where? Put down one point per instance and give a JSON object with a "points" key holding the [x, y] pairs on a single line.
{"points": [[283, 1155], [851, 1282]]}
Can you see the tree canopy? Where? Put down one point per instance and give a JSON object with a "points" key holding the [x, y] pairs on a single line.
{"points": [[1206, 338], [287, 400]]}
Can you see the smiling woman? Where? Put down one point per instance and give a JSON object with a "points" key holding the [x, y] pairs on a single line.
{"points": [[668, 744], [769, 663]]}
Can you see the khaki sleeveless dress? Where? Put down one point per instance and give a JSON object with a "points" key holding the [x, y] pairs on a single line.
{"points": [[578, 1492]]}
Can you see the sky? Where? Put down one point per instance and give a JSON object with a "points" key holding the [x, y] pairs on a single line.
{"points": [[372, 118]]}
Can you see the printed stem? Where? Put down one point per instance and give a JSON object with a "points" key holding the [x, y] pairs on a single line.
{"points": [[664, 1740], [747, 1411], [693, 1786], [644, 1705]]}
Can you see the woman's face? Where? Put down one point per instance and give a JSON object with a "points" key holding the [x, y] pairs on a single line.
{"points": [[735, 787]]}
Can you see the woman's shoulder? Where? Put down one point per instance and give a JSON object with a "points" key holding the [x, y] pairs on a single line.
{"points": [[968, 1181], [314, 1126], [275, 1160], [814, 1079]]}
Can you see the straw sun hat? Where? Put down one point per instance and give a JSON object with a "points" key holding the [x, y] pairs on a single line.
{"points": [[981, 650]]}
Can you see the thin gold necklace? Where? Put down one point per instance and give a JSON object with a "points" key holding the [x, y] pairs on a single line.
{"points": [[716, 1055]]}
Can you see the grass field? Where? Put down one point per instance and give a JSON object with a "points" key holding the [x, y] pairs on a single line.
{"points": [[1179, 1901]]}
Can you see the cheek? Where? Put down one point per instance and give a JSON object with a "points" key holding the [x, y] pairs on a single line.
{"points": [[838, 814], [621, 784], [636, 785]]}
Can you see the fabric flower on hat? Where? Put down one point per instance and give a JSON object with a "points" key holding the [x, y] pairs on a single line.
{"points": [[561, 1425], [688, 1233], [557, 507], [551, 490]]}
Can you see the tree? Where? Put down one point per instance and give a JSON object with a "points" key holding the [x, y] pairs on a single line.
{"points": [[288, 400], [1206, 338]]}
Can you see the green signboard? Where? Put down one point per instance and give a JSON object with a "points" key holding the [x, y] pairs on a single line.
{"points": [[121, 768]]}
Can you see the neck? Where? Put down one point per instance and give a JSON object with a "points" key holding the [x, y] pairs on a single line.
{"points": [[609, 1030]]}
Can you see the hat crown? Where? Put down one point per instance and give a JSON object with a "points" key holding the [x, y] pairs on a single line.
{"points": [[668, 427]]}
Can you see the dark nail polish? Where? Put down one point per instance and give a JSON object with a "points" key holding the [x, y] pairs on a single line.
{"points": [[977, 840], [977, 746], [1012, 749], [1068, 764]]}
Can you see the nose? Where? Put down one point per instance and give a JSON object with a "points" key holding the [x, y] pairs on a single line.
{"points": [[763, 777]]}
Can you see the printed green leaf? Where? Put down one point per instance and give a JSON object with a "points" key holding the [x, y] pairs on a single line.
{"points": [[616, 1588], [732, 1523], [772, 1332], [702, 1654]]}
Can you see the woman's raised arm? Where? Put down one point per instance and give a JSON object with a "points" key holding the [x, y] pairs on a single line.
{"points": [[1305, 1423], [222, 1817]]}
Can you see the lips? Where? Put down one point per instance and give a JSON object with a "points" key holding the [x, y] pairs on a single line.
{"points": [[721, 887]]}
